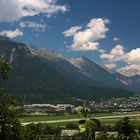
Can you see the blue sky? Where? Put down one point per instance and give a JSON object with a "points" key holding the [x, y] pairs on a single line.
{"points": [[105, 31]]}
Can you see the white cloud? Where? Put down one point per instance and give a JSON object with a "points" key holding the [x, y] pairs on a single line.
{"points": [[116, 54], [130, 70], [87, 46], [111, 66], [132, 57], [11, 33], [12, 10], [116, 39], [101, 51], [118, 50], [35, 26], [106, 56], [88, 39], [72, 31]]}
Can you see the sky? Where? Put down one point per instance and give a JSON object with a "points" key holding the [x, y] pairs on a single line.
{"points": [[105, 31]]}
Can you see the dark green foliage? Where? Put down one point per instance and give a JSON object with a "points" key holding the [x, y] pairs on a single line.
{"points": [[125, 127], [9, 124], [126, 130], [40, 131], [102, 136], [71, 126], [5, 68]]}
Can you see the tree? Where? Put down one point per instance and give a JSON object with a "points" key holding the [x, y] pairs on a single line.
{"points": [[124, 128], [40, 131], [9, 123], [87, 125], [5, 68]]}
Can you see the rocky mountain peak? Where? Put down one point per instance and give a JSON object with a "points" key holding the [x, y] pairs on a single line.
{"points": [[43, 52], [5, 38], [79, 61]]}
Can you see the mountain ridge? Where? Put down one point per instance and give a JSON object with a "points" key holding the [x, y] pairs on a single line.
{"points": [[50, 78]]}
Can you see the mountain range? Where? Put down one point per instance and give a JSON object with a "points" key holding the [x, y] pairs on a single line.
{"points": [[42, 76]]}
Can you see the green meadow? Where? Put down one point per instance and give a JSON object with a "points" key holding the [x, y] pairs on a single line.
{"points": [[104, 121], [36, 118]]}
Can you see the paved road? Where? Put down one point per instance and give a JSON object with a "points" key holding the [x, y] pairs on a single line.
{"points": [[74, 120]]}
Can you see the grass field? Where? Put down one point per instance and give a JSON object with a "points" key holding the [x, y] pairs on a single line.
{"points": [[34, 118], [112, 121], [103, 122]]}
